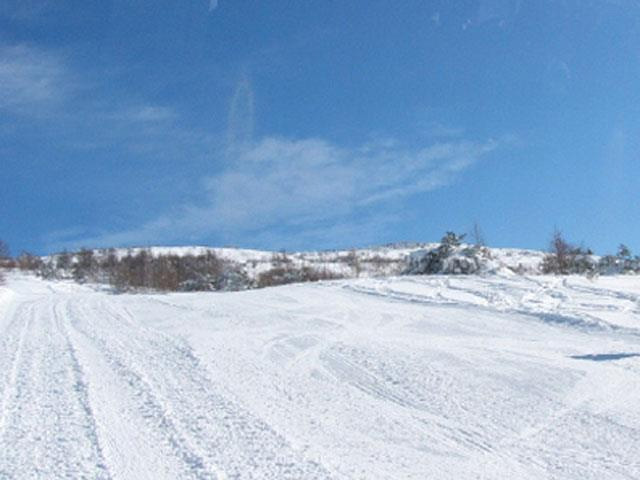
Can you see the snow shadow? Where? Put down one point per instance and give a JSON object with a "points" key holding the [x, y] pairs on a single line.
{"points": [[604, 357]]}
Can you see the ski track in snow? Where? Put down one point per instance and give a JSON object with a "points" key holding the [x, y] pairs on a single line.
{"points": [[47, 429], [399, 378]]}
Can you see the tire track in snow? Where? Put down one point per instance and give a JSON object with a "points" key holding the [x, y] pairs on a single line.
{"points": [[583, 322], [9, 389], [81, 389], [133, 445], [154, 413], [216, 438], [47, 431]]}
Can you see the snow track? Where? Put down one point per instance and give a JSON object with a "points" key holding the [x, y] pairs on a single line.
{"points": [[412, 378], [48, 429], [212, 436]]}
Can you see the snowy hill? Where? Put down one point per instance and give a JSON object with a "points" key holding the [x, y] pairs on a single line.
{"points": [[365, 262], [414, 377], [371, 258]]}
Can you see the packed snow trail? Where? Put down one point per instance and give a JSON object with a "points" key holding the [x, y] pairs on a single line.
{"points": [[411, 378], [47, 426]]}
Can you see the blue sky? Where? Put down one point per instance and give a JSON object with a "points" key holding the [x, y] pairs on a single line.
{"points": [[318, 124]]}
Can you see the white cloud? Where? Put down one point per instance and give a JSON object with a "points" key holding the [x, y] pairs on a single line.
{"points": [[213, 4], [241, 116], [30, 79], [37, 85], [150, 113], [36, 82], [438, 130], [281, 183], [268, 186], [287, 180]]}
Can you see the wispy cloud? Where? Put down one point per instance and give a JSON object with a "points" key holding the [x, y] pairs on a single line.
{"points": [[439, 130], [280, 184], [269, 187], [241, 116], [31, 80], [149, 114], [40, 87], [557, 76]]}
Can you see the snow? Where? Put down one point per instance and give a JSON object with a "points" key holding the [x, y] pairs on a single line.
{"points": [[483, 377], [377, 261]]}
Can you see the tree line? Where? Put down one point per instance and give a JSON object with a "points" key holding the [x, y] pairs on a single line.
{"points": [[565, 258], [140, 269]]}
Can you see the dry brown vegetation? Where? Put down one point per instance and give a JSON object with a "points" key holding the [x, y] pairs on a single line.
{"points": [[282, 275]]}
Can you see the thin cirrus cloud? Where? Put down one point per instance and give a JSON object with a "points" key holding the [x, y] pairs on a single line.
{"points": [[280, 180], [270, 187], [148, 113], [279, 183], [38, 85], [30, 79]]}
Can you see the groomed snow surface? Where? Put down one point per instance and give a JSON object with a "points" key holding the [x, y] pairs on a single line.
{"points": [[498, 377]]}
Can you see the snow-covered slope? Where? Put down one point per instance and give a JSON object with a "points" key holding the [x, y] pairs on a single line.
{"points": [[400, 378], [365, 262]]}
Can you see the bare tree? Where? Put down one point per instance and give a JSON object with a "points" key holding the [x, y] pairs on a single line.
{"points": [[352, 260], [559, 257], [5, 259], [63, 261], [564, 258], [280, 258], [165, 273], [4, 251], [84, 267], [28, 262], [282, 275]]}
